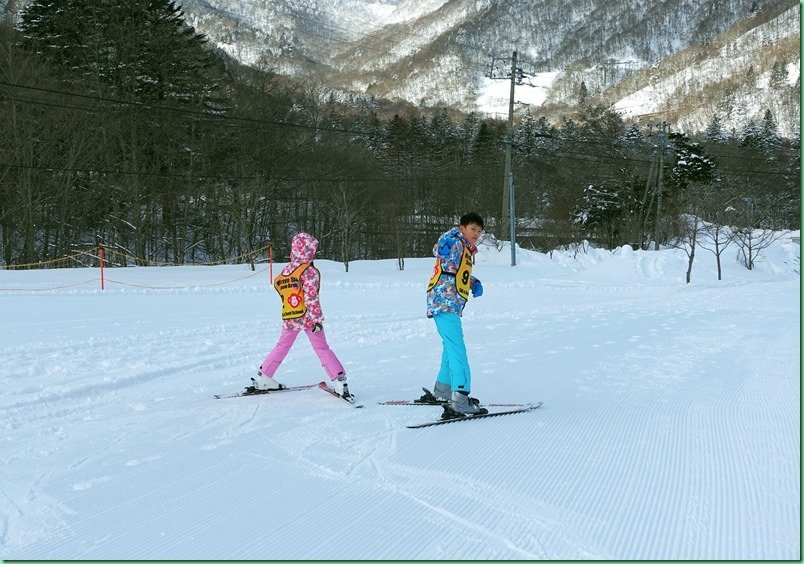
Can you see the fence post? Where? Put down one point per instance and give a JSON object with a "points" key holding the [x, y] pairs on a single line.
{"points": [[101, 260], [271, 262]]}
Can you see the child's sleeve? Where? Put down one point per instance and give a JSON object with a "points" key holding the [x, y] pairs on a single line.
{"points": [[311, 282], [452, 254]]}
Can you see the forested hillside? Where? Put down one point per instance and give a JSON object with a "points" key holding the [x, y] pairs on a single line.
{"points": [[124, 127]]}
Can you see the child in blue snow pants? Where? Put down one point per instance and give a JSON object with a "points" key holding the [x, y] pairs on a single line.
{"points": [[454, 371], [448, 290]]}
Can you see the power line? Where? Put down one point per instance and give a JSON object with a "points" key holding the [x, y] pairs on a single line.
{"points": [[220, 117], [187, 175], [145, 106]]}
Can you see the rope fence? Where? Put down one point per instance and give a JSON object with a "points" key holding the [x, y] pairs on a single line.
{"points": [[103, 252]]}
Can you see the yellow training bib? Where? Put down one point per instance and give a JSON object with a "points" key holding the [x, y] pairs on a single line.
{"points": [[291, 293], [464, 274], [462, 277]]}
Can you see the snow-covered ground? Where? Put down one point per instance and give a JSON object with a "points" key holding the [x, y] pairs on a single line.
{"points": [[670, 426]]}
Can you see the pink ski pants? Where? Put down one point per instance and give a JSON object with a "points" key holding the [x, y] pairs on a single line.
{"points": [[318, 340]]}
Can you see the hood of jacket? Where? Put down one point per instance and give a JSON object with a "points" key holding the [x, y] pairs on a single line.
{"points": [[302, 248], [446, 241]]}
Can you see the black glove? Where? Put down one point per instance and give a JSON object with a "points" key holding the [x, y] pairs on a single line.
{"points": [[317, 327]]}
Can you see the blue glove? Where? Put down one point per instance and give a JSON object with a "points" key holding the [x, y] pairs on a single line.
{"points": [[477, 288]]}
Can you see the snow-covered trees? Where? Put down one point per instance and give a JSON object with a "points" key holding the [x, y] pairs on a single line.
{"points": [[137, 49], [600, 213], [135, 150], [692, 165]]}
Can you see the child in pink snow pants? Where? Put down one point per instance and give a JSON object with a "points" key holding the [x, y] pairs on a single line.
{"points": [[298, 286]]}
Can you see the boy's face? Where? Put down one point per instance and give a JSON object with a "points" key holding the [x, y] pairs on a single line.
{"points": [[471, 231]]}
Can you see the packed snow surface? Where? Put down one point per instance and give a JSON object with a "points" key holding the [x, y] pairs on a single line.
{"points": [[670, 426]]}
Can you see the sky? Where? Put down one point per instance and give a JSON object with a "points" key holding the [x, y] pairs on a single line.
{"points": [[670, 424]]}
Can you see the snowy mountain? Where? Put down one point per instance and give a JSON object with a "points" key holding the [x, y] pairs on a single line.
{"points": [[640, 56], [680, 62]]}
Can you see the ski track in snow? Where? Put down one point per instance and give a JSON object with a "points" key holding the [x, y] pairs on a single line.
{"points": [[670, 427]]}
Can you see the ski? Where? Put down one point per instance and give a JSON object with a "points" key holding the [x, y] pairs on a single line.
{"points": [[525, 408], [350, 399], [429, 399], [252, 391], [443, 403]]}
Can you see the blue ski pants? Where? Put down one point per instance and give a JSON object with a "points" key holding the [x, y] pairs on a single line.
{"points": [[454, 362]]}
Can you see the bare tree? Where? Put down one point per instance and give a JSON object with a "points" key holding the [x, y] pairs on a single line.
{"points": [[689, 228], [753, 241], [717, 231], [715, 239], [349, 208], [750, 239]]}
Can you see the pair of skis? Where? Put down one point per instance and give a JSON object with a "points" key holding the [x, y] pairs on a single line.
{"points": [[253, 391], [452, 416], [449, 415]]}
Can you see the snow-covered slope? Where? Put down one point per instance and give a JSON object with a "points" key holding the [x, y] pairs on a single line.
{"points": [[698, 87], [670, 426], [648, 59]]}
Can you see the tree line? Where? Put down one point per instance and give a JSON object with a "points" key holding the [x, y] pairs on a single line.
{"points": [[122, 126]]}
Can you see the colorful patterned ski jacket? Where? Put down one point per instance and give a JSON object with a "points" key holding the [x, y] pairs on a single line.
{"points": [[302, 249], [444, 297]]}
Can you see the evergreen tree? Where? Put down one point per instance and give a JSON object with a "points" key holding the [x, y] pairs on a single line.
{"points": [[484, 143], [751, 136], [137, 49], [544, 133], [583, 93], [770, 140], [634, 135], [600, 212], [525, 136], [397, 140], [468, 133], [714, 131], [442, 133], [601, 122], [778, 75], [692, 164], [751, 77]]}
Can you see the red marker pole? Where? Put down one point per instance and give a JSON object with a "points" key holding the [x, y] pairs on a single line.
{"points": [[271, 263]]}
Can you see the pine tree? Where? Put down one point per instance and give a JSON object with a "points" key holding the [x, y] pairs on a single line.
{"points": [[634, 134], [442, 132], [714, 132], [751, 77], [770, 140], [525, 135], [600, 212], [692, 163], [778, 75], [750, 136], [137, 50], [583, 93]]}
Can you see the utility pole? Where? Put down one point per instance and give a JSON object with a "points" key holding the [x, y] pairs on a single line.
{"points": [[644, 209], [508, 216], [659, 188], [513, 217]]}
